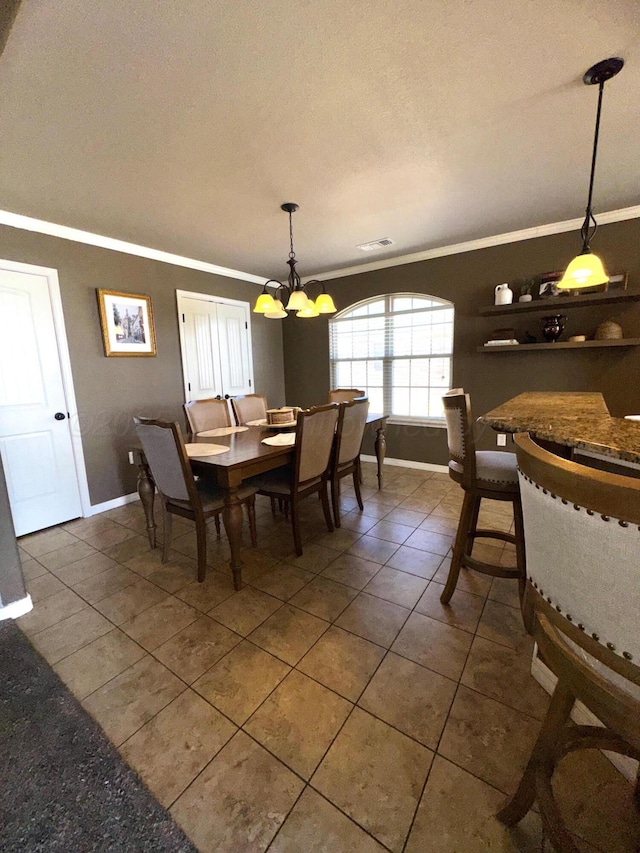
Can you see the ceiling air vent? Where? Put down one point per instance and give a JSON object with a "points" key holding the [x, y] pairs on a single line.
{"points": [[375, 244]]}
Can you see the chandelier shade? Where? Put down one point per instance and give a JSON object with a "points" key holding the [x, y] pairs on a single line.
{"points": [[587, 270], [291, 295]]}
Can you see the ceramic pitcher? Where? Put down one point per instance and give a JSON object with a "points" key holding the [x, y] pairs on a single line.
{"points": [[504, 294]]}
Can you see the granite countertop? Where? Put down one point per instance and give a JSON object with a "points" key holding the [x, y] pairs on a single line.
{"points": [[574, 419]]}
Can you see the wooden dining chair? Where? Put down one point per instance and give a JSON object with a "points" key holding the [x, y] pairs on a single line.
{"points": [[249, 407], [482, 474], [203, 415], [179, 492], [345, 395], [309, 473], [345, 461], [581, 602]]}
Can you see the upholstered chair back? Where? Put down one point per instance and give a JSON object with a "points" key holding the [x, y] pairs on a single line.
{"points": [[165, 454], [457, 412], [351, 429], [314, 440], [344, 395], [582, 539], [203, 415], [249, 407]]}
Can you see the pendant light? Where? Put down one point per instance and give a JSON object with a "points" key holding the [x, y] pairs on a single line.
{"points": [[292, 295], [587, 270]]}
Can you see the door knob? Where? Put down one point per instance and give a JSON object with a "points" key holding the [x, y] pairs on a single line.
{"points": [[226, 396], [59, 416]]}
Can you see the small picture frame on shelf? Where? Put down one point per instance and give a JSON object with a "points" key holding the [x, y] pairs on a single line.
{"points": [[548, 284], [618, 282], [548, 289]]}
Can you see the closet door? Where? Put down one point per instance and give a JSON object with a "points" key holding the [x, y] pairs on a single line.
{"points": [[216, 347], [233, 340]]}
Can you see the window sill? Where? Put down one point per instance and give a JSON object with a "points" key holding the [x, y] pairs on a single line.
{"points": [[422, 422]]}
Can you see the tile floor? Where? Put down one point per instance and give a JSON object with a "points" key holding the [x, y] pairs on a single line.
{"points": [[331, 705]]}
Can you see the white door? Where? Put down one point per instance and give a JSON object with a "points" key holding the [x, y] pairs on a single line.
{"points": [[35, 437], [233, 340], [216, 347]]}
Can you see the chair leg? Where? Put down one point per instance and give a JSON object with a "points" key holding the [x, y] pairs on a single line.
{"points": [[201, 540], [520, 551], [217, 521], [356, 485], [251, 512], [473, 524], [273, 506], [335, 500], [324, 495], [469, 510], [295, 525], [167, 520], [542, 756]]}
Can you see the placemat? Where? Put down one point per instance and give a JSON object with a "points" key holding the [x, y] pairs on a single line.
{"points": [[282, 439], [205, 449], [210, 433]]}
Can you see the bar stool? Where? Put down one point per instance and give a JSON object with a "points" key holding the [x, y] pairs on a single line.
{"points": [[482, 474]]}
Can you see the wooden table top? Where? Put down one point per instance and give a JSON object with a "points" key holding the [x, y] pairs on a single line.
{"points": [[574, 419]]}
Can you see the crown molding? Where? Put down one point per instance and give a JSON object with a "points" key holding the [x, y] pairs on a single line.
{"points": [[64, 232], [482, 243]]}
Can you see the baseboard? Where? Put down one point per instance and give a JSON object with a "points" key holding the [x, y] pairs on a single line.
{"points": [[16, 608], [96, 509], [408, 463], [582, 716]]}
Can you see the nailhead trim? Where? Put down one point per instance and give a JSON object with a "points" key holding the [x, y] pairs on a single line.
{"points": [[569, 618]]}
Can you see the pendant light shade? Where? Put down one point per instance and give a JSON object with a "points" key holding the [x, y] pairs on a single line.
{"points": [[297, 301], [584, 271], [309, 310], [292, 292], [265, 302], [587, 270], [324, 303], [276, 313]]}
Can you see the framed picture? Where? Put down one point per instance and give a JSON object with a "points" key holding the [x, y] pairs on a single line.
{"points": [[548, 289], [126, 320], [548, 285], [618, 282]]}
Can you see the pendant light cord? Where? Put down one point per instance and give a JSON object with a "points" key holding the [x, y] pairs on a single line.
{"points": [[590, 226]]}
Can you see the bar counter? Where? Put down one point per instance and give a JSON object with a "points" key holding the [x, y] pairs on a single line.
{"points": [[577, 420]]}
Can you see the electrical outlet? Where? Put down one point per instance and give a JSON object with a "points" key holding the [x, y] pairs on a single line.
{"points": [[131, 462], [501, 439]]}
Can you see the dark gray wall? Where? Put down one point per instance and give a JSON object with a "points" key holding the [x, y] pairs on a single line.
{"points": [[110, 391], [468, 280]]}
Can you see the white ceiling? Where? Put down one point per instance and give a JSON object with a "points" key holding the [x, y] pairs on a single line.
{"points": [[184, 124]]}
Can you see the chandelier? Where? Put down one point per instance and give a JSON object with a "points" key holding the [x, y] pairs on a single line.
{"points": [[587, 270], [292, 293]]}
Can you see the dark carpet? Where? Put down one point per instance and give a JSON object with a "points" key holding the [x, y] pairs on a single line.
{"points": [[63, 786]]}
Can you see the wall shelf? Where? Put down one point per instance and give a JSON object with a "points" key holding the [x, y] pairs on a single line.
{"points": [[622, 342], [556, 304]]}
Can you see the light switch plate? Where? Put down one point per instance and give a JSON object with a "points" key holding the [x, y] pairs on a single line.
{"points": [[501, 439]]}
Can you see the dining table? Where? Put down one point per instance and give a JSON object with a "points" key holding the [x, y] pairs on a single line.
{"points": [[247, 457]]}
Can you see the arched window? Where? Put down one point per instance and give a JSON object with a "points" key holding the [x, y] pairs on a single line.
{"points": [[398, 348]]}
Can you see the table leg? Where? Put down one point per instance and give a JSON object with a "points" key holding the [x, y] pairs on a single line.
{"points": [[232, 518], [147, 492], [381, 449]]}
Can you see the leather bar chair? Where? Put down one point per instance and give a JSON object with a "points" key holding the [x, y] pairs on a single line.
{"points": [[180, 493], [203, 415], [581, 602], [310, 471], [482, 474], [344, 395], [249, 407], [352, 419]]}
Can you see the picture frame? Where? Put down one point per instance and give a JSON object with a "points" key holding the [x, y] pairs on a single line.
{"points": [[548, 289], [126, 320], [618, 282]]}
